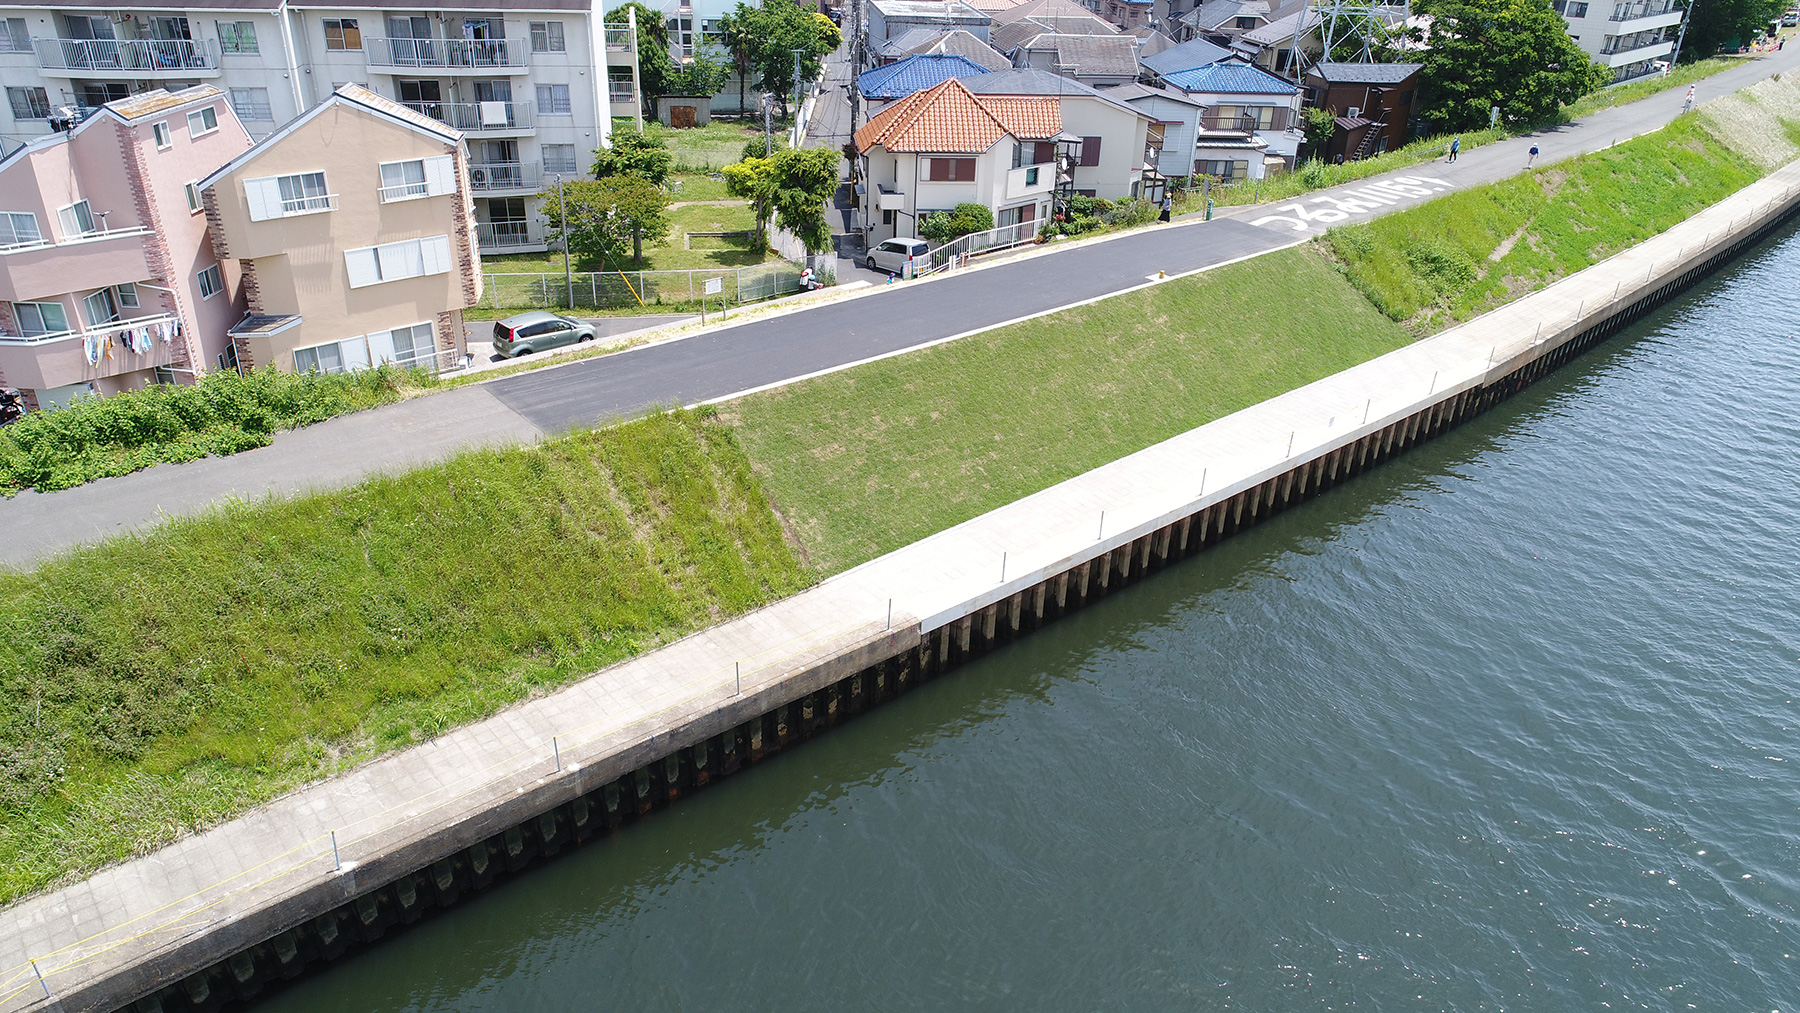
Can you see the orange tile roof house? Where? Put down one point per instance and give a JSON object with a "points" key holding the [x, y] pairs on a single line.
{"points": [[944, 146]]}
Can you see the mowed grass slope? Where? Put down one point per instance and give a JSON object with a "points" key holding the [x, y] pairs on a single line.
{"points": [[868, 460], [155, 685], [1466, 253]]}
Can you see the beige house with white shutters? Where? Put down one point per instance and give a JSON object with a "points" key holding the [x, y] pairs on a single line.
{"points": [[354, 229]]}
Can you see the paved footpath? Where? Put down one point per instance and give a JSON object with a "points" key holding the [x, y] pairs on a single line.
{"points": [[719, 363], [133, 912]]}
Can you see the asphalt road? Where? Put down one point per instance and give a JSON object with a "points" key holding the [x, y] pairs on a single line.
{"points": [[760, 352]]}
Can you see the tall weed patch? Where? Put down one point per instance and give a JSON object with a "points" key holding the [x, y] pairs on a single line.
{"points": [[224, 413]]}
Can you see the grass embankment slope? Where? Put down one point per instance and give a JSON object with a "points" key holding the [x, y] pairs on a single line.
{"points": [[1469, 252], [159, 684], [155, 685], [870, 459]]}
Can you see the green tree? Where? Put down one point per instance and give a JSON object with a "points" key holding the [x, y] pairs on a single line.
{"points": [[1728, 24], [634, 154], [959, 221], [1515, 54], [1318, 125], [656, 68], [701, 75], [739, 37], [763, 147], [771, 32], [606, 214], [793, 184]]}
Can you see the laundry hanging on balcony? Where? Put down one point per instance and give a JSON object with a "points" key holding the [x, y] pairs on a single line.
{"points": [[91, 345]]}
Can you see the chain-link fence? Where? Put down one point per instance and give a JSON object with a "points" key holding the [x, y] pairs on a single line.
{"points": [[615, 290]]}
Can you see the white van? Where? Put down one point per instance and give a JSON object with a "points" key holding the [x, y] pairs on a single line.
{"points": [[892, 255]]}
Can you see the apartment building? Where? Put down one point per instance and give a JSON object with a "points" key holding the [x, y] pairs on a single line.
{"points": [[353, 226], [107, 279], [532, 84], [1631, 38]]}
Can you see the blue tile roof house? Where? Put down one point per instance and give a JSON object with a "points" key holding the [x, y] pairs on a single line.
{"points": [[1249, 119], [915, 73]]}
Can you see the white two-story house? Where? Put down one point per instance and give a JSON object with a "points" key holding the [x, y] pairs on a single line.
{"points": [[946, 146], [1113, 136], [1249, 120]]}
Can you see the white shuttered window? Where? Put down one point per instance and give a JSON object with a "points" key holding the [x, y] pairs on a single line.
{"points": [[411, 258]]}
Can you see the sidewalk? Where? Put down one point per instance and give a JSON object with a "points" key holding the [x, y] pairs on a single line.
{"points": [[727, 360]]}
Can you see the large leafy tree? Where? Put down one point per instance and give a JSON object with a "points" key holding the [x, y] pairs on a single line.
{"points": [[656, 68], [739, 37], [1515, 54], [606, 215], [793, 184], [771, 32], [634, 154], [1715, 24]]}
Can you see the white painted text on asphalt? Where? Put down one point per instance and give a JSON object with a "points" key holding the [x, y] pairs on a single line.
{"points": [[1362, 200]]}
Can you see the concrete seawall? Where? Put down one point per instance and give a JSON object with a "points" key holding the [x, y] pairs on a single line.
{"points": [[219, 917]]}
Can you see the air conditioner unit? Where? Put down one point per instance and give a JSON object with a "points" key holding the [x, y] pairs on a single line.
{"points": [[1355, 111], [478, 175]]}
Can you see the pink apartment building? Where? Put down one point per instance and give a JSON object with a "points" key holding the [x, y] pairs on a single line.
{"points": [[108, 280]]}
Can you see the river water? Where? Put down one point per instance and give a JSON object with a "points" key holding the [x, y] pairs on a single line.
{"points": [[1507, 723]]}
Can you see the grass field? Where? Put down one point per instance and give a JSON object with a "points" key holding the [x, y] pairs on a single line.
{"points": [[870, 459], [670, 254], [155, 685], [1466, 253], [717, 144], [1631, 91]]}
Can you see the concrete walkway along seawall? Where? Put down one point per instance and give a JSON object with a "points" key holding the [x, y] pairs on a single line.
{"points": [[219, 915]]}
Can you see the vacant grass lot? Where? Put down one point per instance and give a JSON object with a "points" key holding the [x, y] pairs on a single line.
{"points": [[155, 685], [1466, 253], [713, 146], [868, 460]]}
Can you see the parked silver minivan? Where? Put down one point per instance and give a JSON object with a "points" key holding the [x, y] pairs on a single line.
{"points": [[892, 255]]}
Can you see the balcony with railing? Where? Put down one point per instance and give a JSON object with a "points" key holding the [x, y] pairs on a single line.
{"points": [[494, 118], [1626, 50], [450, 56], [105, 58], [1642, 9], [619, 39], [496, 177], [494, 237], [1248, 122], [77, 355], [30, 271], [621, 93]]}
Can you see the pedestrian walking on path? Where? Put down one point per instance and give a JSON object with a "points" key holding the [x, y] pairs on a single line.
{"points": [[1531, 156], [1687, 105], [1168, 206], [1455, 146]]}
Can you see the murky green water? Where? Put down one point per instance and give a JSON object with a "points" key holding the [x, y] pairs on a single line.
{"points": [[1508, 723]]}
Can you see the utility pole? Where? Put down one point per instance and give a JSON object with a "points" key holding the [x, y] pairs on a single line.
{"points": [[797, 101], [1687, 15], [768, 144], [562, 213], [855, 62]]}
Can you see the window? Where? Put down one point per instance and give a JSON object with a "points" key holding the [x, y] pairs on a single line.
{"points": [[37, 318], [559, 158], [202, 122], [342, 33], [319, 359], [100, 307], [1225, 169], [281, 196], [99, 93], [236, 36], [1090, 151], [400, 180], [19, 228], [553, 100], [76, 220], [418, 177], [547, 37], [404, 345], [1246, 23], [212, 282], [195, 205], [1031, 176], [160, 131], [252, 104], [15, 39], [412, 258], [28, 103], [128, 293], [953, 170]]}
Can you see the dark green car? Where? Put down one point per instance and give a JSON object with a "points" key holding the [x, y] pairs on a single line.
{"points": [[538, 331]]}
